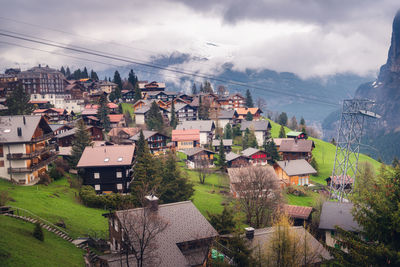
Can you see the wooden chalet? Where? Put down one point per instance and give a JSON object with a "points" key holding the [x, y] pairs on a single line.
{"points": [[144, 86], [65, 138], [183, 139], [242, 112], [234, 160], [296, 149], [156, 141], [299, 214], [52, 114], [121, 135], [128, 96], [256, 156], [117, 120], [227, 143], [198, 155], [296, 135], [294, 172]]}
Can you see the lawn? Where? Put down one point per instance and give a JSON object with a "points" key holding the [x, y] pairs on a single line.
{"points": [[56, 202], [127, 107], [301, 200], [19, 248]]}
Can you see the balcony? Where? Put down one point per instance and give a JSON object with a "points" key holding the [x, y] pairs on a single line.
{"points": [[33, 167], [43, 137], [18, 156]]}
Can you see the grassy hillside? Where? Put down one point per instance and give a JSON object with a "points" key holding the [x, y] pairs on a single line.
{"points": [[324, 153], [19, 248], [57, 202], [127, 107]]}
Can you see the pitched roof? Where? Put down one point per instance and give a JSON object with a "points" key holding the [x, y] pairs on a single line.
{"points": [[185, 223], [147, 134], [89, 111], [296, 167], [203, 126], [232, 156], [10, 124], [225, 142], [104, 156], [293, 133], [295, 145], [337, 214], [262, 125], [250, 151], [223, 114], [131, 131], [195, 150], [186, 135], [234, 178], [278, 141], [297, 212], [115, 118], [243, 111]]}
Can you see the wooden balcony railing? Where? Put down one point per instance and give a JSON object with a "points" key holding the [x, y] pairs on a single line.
{"points": [[33, 167], [17, 156]]}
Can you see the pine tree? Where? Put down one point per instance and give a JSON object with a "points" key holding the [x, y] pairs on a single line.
{"points": [[302, 122], [68, 73], [102, 113], [117, 79], [252, 140], [314, 164], [194, 89], [38, 232], [155, 120], [283, 119], [81, 140], [271, 150], [18, 102], [62, 70], [132, 78], [204, 109], [93, 75], [207, 88], [201, 88], [293, 123], [228, 131], [138, 93], [173, 121], [245, 139], [222, 157], [224, 223], [249, 99], [85, 73], [249, 116], [282, 133]]}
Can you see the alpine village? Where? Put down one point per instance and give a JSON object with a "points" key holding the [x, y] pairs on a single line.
{"points": [[121, 171]]}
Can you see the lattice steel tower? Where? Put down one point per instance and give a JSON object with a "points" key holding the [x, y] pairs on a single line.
{"points": [[344, 172]]}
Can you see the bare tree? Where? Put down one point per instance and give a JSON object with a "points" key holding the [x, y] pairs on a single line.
{"points": [[293, 123], [261, 103], [259, 193], [202, 166]]}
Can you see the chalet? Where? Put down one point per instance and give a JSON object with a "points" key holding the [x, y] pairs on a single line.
{"points": [[185, 97], [206, 129], [25, 149], [242, 112], [296, 149], [141, 114], [117, 120], [183, 139], [209, 99], [92, 121], [164, 96], [335, 214], [261, 129], [107, 87], [227, 143], [197, 156], [60, 128], [65, 138], [294, 172], [95, 96], [157, 142], [234, 160], [75, 89], [40, 104], [114, 108], [278, 142], [178, 100], [185, 241], [296, 135], [141, 103], [107, 168], [52, 114], [89, 116], [233, 101], [299, 214], [144, 86], [184, 112], [121, 135], [128, 96], [222, 117], [256, 156], [337, 182]]}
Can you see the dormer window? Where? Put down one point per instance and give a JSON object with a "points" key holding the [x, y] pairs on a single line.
{"points": [[106, 160]]}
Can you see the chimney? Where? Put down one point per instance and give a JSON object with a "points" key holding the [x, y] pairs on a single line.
{"points": [[249, 232], [19, 131], [152, 202], [23, 119]]}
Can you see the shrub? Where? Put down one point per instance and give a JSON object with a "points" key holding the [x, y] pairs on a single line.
{"points": [[44, 178], [297, 190], [63, 164], [38, 232], [90, 199], [4, 198], [56, 172], [75, 182]]}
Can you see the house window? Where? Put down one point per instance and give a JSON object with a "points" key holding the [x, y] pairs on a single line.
{"points": [[97, 187], [1, 163], [1, 151], [96, 175], [119, 174], [119, 186]]}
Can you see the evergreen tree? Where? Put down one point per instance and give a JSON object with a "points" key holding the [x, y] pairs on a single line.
{"points": [[236, 130], [85, 73], [333, 141], [173, 121], [283, 119], [249, 99], [132, 78], [194, 89], [270, 149], [314, 164], [68, 73], [155, 120], [222, 157], [117, 79], [282, 133], [93, 75], [207, 88], [175, 187], [204, 109], [62, 70], [249, 139], [102, 113], [201, 88], [228, 131], [138, 93], [38, 232], [224, 223], [293, 123], [81, 140], [18, 102], [303, 130], [249, 116], [302, 122], [252, 140]]}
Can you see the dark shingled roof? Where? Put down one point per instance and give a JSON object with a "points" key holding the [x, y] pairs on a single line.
{"points": [[185, 223], [203, 126], [250, 151], [225, 142], [293, 145], [10, 124], [338, 214], [195, 150], [296, 167], [298, 212], [255, 125], [147, 134]]}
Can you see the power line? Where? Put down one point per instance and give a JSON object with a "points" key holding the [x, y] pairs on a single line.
{"points": [[132, 61]]}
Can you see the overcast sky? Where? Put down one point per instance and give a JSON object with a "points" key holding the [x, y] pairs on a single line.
{"points": [[307, 37]]}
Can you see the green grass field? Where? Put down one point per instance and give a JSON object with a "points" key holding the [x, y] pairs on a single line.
{"points": [[19, 248], [57, 202], [127, 107]]}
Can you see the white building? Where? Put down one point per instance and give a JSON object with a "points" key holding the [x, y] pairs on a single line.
{"points": [[206, 127], [63, 101], [261, 129]]}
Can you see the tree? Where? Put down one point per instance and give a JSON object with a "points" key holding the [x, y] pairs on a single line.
{"points": [[102, 113], [194, 89], [38, 232], [293, 123], [62, 70], [282, 133], [333, 141], [138, 93], [155, 120], [117, 79], [204, 109], [261, 103], [221, 156], [314, 164], [259, 194], [221, 91], [85, 73], [18, 102], [224, 223], [173, 122], [202, 166], [228, 131], [236, 130], [302, 122], [93, 75], [249, 139], [132, 78], [283, 119], [249, 116], [270, 149], [68, 73], [249, 99], [207, 88], [81, 140]]}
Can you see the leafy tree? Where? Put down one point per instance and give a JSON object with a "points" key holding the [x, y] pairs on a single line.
{"points": [[194, 89], [173, 121], [228, 131], [138, 93], [270, 149], [174, 186], [282, 133], [283, 119], [249, 99], [293, 123], [249, 116], [132, 78], [38, 232], [93, 75], [102, 113], [224, 223], [155, 120], [221, 155], [81, 140], [18, 102]]}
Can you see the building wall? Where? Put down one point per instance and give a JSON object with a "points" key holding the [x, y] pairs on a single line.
{"points": [[108, 180], [139, 118], [260, 135], [185, 144], [203, 138]]}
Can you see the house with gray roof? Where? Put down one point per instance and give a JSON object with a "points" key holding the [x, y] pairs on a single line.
{"points": [[335, 214], [184, 241], [184, 112], [296, 149], [296, 172], [156, 141], [206, 128], [198, 155], [222, 117], [256, 156], [234, 160], [261, 129], [227, 143], [141, 113], [25, 149]]}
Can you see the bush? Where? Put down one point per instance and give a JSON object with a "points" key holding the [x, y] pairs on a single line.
{"points": [[44, 178], [38, 232], [4, 198], [297, 190], [56, 173], [75, 182], [63, 164], [90, 199]]}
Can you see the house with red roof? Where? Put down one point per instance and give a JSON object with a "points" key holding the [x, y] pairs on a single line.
{"points": [[117, 120], [184, 139], [52, 114]]}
